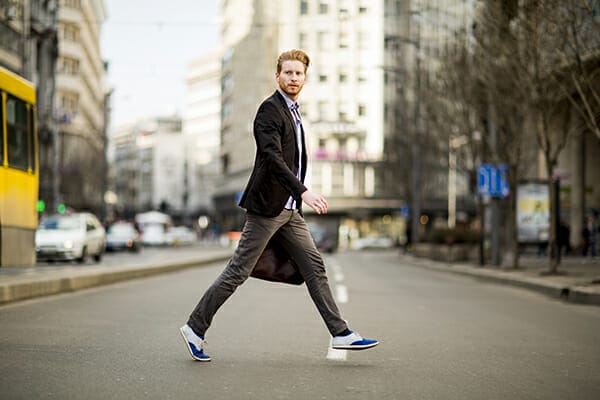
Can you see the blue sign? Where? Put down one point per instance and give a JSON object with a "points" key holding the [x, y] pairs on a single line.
{"points": [[492, 180], [405, 211]]}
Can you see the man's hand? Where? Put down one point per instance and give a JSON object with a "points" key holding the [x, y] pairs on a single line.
{"points": [[315, 201]]}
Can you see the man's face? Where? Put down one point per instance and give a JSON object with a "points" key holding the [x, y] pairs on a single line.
{"points": [[291, 78]]}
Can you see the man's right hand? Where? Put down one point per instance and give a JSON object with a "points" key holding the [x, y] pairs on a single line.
{"points": [[315, 201]]}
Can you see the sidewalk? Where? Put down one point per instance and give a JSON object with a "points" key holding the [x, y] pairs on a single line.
{"points": [[578, 278], [18, 283]]}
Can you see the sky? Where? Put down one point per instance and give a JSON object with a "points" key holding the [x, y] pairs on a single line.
{"points": [[148, 45]]}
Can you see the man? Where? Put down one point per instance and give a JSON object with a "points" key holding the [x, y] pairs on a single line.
{"points": [[272, 200]]}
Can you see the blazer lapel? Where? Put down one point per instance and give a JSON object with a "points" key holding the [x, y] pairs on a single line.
{"points": [[287, 111]]}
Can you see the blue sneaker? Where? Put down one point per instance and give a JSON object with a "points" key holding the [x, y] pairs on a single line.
{"points": [[194, 343], [352, 341]]}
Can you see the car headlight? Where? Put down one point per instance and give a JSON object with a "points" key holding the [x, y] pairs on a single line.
{"points": [[68, 244]]}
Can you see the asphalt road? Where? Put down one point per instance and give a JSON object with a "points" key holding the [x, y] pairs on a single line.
{"points": [[442, 336]]}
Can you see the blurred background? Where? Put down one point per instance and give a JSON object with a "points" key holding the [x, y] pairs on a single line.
{"points": [[428, 121]]}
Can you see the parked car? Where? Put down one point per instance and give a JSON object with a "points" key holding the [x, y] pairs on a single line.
{"points": [[123, 236], [372, 242], [70, 237], [180, 235]]}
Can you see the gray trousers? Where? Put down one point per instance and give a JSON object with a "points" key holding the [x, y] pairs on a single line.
{"points": [[291, 231]]}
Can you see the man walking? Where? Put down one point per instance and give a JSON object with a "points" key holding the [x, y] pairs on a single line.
{"points": [[273, 200]]}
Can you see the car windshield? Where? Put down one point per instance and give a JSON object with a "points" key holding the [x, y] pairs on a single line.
{"points": [[61, 223]]}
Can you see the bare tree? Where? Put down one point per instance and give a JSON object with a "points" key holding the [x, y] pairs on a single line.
{"points": [[554, 73]]}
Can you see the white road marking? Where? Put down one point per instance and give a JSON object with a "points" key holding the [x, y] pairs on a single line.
{"points": [[341, 293], [338, 276], [342, 297], [336, 355]]}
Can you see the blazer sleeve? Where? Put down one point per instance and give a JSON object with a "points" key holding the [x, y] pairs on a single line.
{"points": [[268, 129]]}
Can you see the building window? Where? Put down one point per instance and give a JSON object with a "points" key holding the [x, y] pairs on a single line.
{"points": [[369, 181], [349, 188], [363, 40], [68, 103], [227, 57], [303, 7], [69, 66], [343, 40], [362, 110], [322, 78], [225, 163], [323, 40], [322, 111], [302, 39], [70, 33], [71, 3], [343, 77], [226, 83], [362, 9], [323, 7], [226, 110]]}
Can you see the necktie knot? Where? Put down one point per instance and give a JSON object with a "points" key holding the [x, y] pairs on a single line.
{"points": [[294, 109]]}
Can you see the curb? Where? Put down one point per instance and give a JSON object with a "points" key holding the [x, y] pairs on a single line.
{"points": [[574, 294], [11, 292]]}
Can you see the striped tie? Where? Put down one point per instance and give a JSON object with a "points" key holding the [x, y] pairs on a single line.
{"points": [[294, 109]]}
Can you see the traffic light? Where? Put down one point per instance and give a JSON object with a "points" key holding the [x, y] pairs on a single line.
{"points": [[61, 208], [41, 205]]}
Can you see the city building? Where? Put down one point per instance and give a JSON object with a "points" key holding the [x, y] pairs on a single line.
{"points": [[29, 47], [250, 40], [344, 108], [202, 134], [80, 106], [147, 168]]}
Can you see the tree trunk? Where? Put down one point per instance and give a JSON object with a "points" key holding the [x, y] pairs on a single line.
{"points": [[552, 244]]}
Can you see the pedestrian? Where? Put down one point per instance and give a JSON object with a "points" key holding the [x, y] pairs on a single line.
{"points": [[564, 233], [273, 202], [592, 233]]}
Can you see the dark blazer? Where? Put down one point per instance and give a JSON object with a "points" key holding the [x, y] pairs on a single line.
{"points": [[273, 179]]}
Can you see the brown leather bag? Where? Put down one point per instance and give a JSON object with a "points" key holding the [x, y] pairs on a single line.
{"points": [[276, 265]]}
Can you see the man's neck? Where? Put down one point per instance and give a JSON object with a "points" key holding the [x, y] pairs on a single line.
{"points": [[293, 99]]}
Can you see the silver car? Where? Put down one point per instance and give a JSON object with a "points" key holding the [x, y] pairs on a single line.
{"points": [[70, 237]]}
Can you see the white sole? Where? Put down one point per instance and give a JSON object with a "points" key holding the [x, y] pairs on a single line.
{"points": [[350, 347], [187, 344]]}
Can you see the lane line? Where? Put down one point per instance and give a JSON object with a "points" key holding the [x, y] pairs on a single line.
{"points": [[341, 294], [335, 354], [342, 297]]}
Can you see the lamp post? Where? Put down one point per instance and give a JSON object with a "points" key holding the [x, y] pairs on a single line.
{"points": [[453, 144]]}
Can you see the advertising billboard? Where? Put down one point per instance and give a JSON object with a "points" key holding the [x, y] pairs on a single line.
{"points": [[533, 212]]}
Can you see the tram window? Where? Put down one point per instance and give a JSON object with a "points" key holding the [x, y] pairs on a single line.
{"points": [[16, 133], [31, 137], [1, 130]]}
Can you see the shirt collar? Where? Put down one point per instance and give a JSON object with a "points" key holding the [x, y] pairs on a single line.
{"points": [[288, 101]]}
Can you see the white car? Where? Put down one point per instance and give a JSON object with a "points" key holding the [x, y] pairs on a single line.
{"points": [[180, 235], [373, 242], [70, 237]]}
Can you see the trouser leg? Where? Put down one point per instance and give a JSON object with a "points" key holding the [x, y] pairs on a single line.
{"points": [[255, 236], [298, 242]]}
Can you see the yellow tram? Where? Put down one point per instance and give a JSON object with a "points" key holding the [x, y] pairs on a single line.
{"points": [[19, 175]]}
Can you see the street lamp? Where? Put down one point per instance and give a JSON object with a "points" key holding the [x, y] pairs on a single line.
{"points": [[453, 144]]}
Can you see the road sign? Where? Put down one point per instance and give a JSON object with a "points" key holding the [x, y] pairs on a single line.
{"points": [[492, 180]]}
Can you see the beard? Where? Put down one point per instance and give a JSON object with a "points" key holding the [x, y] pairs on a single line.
{"points": [[291, 90]]}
